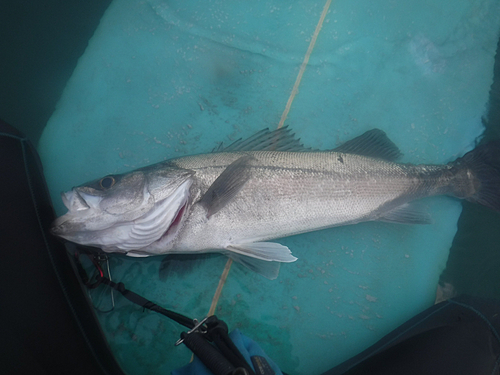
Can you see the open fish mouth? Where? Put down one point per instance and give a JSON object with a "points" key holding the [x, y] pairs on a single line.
{"points": [[160, 222], [77, 201], [79, 207]]}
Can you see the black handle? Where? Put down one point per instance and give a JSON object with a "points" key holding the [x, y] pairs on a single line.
{"points": [[207, 353]]}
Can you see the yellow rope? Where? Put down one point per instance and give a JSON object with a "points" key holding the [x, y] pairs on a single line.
{"points": [[295, 89], [218, 291], [229, 262]]}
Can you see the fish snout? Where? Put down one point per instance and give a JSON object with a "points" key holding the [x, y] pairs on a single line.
{"points": [[62, 226]]}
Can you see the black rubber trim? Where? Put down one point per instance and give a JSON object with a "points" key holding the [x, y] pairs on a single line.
{"points": [[47, 324]]}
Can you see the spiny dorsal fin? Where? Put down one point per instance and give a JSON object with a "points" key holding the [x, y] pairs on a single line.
{"points": [[266, 140], [374, 143]]}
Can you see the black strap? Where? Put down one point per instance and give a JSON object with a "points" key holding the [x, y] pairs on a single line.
{"points": [[222, 358], [141, 301], [207, 353], [217, 330]]}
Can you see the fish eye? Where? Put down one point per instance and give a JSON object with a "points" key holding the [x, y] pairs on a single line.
{"points": [[107, 182]]}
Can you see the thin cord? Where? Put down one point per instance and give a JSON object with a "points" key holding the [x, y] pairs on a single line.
{"points": [[295, 89]]}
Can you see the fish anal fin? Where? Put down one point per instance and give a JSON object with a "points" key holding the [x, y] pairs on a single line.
{"points": [[373, 143], [268, 251], [226, 186], [408, 213]]}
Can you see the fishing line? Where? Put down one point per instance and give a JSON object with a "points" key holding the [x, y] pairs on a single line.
{"points": [[294, 92]]}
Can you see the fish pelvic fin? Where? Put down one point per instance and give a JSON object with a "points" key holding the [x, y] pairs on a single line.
{"points": [[270, 270], [268, 251], [261, 257], [478, 176]]}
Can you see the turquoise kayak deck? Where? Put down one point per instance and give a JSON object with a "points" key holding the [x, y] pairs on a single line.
{"points": [[161, 80]]}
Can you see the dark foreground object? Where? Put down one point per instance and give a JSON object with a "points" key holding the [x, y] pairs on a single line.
{"points": [[46, 323], [459, 337]]}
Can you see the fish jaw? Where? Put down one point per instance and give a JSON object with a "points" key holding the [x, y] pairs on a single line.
{"points": [[86, 214], [85, 224]]}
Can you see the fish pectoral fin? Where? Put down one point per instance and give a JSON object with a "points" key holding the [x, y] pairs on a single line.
{"points": [[373, 143], [267, 251], [269, 270], [408, 213], [226, 186]]}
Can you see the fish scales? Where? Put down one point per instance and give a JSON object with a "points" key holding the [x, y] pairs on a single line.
{"points": [[266, 187], [316, 190]]}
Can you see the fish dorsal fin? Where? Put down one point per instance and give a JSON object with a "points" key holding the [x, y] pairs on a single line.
{"points": [[281, 139], [374, 143], [226, 186]]}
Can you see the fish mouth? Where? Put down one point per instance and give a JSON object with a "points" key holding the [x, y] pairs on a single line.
{"points": [[113, 233], [80, 206], [74, 201], [78, 201]]}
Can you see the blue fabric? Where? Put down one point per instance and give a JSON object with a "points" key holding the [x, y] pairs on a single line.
{"points": [[245, 345]]}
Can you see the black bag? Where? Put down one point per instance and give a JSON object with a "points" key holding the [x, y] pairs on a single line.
{"points": [[459, 336]]}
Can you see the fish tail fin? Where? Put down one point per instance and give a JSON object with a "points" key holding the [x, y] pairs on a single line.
{"points": [[481, 167]]}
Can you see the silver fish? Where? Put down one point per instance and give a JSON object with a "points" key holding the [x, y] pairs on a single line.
{"points": [[266, 187]]}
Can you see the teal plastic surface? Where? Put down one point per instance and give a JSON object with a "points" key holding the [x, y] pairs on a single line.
{"points": [[166, 79]]}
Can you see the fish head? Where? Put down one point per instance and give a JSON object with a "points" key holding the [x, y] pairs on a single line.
{"points": [[127, 212]]}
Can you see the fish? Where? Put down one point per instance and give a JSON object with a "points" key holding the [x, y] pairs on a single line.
{"points": [[236, 200]]}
